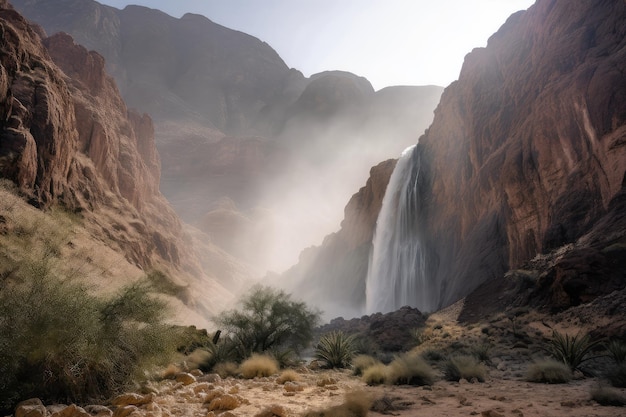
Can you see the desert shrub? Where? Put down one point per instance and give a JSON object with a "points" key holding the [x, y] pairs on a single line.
{"points": [[608, 396], [419, 336], [481, 351], [549, 371], [617, 376], [58, 342], [571, 350], [617, 350], [258, 366], [375, 375], [433, 355], [463, 367], [356, 404], [336, 349], [362, 362], [163, 283], [226, 369], [288, 375], [410, 369], [269, 319]]}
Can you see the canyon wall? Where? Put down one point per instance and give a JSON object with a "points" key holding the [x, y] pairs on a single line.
{"points": [[68, 139]]}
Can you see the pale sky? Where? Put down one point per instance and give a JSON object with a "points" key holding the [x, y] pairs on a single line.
{"points": [[390, 42]]}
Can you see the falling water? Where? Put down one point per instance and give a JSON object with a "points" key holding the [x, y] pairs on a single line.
{"points": [[396, 274]]}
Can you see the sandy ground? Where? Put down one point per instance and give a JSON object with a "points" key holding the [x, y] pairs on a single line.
{"points": [[495, 397]]}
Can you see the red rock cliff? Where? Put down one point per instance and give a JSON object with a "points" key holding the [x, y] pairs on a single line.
{"points": [[68, 138], [528, 147]]}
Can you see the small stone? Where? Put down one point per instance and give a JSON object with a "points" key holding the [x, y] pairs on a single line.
{"points": [[185, 378], [30, 408], [212, 378], [131, 399], [72, 411], [196, 372], [202, 387], [291, 386], [124, 411], [491, 413], [98, 410]]}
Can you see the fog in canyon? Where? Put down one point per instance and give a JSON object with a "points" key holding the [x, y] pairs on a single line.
{"points": [[280, 177]]}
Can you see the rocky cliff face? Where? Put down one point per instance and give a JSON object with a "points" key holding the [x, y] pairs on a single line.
{"points": [[526, 155], [232, 121], [69, 139], [527, 148]]}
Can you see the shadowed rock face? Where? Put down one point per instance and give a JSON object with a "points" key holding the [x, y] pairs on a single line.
{"points": [[528, 147], [69, 139]]}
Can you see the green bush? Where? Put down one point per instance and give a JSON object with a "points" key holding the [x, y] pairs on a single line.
{"points": [[269, 319], [58, 342], [410, 369], [336, 349], [464, 367], [571, 350], [549, 371]]}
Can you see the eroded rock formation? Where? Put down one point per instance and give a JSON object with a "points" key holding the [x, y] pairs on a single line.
{"points": [[69, 139]]}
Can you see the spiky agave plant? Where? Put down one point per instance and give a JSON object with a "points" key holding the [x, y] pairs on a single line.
{"points": [[336, 349], [617, 350], [572, 350]]}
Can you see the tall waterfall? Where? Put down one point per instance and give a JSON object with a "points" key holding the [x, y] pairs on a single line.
{"points": [[396, 274]]}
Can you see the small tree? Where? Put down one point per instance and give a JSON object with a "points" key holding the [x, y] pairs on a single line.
{"points": [[269, 319]]}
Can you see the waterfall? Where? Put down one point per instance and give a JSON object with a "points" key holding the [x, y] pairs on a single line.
{"points": [[396, 274]]}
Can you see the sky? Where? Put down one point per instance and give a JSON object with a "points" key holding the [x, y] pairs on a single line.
{"points": [[390, 42]]}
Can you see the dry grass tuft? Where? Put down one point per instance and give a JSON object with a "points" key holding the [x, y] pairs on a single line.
{"points": [[226, 369], [273, 411], [608, 396], [375, 375], [326, 381], [549, 371], [288, 375], [224, 403], [410, 369], [464, 367], [356, 404], [362, 362], [257, 366]]}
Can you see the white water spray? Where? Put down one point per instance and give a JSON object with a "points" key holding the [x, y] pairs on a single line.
{"points": [[396, 274]]}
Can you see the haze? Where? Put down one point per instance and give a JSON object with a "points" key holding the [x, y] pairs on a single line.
{"points": [[391, 42]]}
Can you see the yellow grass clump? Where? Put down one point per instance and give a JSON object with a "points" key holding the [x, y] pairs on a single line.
{"points": [[362, 362], [226, 369], [288, 375], [258, 366], [224, 403], [375, 375]]}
